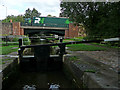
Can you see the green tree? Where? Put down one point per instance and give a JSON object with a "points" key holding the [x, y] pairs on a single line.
{"points": [[18, 18], [49, 15], [27, 13], [31, 13], [21, 18], [99, 19]]}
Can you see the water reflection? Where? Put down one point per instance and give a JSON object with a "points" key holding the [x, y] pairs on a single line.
{"points": [[39, 41], [41, 80]]}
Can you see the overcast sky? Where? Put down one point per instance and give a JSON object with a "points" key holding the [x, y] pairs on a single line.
{"points": [[17, 7]]}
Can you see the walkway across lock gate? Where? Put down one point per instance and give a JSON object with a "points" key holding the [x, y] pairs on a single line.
{"points": [[42, 52]]}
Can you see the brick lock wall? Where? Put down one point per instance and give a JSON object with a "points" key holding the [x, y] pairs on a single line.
{"points": [[21, 31], [16, 28], [6, 29], [66, 33], [72, 32]]}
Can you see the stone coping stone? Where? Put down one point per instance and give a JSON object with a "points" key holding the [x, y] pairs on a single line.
{"points": [[103, 77]]}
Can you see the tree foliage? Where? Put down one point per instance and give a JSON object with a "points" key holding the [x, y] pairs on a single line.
{"points": [[49, 15], [101, 19], [31, 13], [20, 18]]}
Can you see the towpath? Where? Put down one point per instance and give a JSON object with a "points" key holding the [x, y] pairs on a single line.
{"points": [[109, 57]]}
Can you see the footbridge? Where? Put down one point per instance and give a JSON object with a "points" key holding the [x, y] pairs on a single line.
{"points": [[45, 25]]}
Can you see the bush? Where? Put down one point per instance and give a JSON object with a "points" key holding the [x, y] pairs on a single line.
{"points": [[117, 43], [78, 39], [26, 40], [92, 38], [15, 39]]}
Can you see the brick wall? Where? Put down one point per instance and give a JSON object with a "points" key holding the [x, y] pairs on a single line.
{"points": [[6, 29], [66, 33], [75, 31], [16, 28], [12, 29], [72, 32], [21, 31]]}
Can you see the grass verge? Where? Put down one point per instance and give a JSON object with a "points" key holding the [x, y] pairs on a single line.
{"points": [[105, 45], [8, 49], [73, 58], [83, 47]]}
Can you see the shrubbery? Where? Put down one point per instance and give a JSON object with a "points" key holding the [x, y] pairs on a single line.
{"points": [[14, 41], [78, 39], [10, 43], [26, 40]]}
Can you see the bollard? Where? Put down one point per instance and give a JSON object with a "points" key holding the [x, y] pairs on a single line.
{"points": [[20, 42]]}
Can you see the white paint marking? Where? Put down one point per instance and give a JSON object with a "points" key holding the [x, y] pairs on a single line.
{"points": [[37, 20]]}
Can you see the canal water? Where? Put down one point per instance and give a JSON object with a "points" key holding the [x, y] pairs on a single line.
{"points": [[43, 79]]}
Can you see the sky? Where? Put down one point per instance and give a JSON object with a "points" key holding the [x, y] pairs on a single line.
{"points": [[18, 7]]}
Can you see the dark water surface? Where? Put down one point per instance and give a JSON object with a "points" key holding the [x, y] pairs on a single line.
{"points": [[41, 80]]}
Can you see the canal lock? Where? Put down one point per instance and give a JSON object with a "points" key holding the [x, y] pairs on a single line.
{"points": [[29, 73]]}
